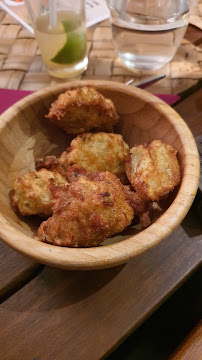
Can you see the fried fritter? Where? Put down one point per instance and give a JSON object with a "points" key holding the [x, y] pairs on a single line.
{"points": [[93, 152], [74, 172], [139, 206], [100, 152], [92, 209], [153, 170], [83, 109], [31, 192]]}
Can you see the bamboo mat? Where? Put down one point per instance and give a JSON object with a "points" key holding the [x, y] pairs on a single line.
{"points": [[21, 65]]}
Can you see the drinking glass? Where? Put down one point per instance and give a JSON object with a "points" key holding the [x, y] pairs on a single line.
{"points": [[147, 33], [60, 29]]}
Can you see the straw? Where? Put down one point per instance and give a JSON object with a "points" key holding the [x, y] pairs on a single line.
{"points": [[30, 11], [53, 14]]}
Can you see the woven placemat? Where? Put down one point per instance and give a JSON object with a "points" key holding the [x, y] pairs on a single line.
{"points": [[21, 65]]}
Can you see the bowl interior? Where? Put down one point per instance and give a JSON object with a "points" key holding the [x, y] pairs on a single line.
{"points": [[26, 135]]}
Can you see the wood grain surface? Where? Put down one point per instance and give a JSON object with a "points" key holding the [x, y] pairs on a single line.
{"points": [[81, 315], [15, 269], [84, 315], [60, 315], [143, 118], [191, 347], [191, 111]]}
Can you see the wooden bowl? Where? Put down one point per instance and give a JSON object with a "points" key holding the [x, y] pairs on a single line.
{"points": [[26, 135]]}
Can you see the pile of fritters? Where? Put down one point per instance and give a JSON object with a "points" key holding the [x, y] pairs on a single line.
{"points": [[97, 187]]}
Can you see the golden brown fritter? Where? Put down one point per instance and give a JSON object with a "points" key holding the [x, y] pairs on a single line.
{"points": [[92, 209], [83, 109], [153, 170], [31, 192], [100, 152], [93, 152], [139, 206]]}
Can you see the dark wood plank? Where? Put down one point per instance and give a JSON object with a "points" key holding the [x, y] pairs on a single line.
{"points": [[190, 110], [191, 347], [15, 269], [84, 315], [159, 337]]}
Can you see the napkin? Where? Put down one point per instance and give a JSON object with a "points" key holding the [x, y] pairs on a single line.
{"points": [[9, 97]]}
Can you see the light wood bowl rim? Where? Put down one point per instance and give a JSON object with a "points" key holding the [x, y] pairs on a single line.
{"points": [[118, 253]]}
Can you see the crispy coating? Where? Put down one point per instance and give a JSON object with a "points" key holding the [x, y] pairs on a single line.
{"points": [[92, 209], [83, 109], [153, 170], [93, 152], [75, 171], [100, 152], [31, 192], [52, 163], [140, 207]]}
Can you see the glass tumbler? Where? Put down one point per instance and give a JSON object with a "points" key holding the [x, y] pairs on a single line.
{"points": [[147, 33], [60, 29]]}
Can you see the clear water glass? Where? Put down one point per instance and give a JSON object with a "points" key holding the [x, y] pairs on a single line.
{"points": [[147, 33]]}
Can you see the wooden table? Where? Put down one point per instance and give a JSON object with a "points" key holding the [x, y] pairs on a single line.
{"points": [[49, 314]]}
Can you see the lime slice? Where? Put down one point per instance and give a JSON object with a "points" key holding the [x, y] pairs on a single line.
{"points": [[69, 25], [74, 48]]}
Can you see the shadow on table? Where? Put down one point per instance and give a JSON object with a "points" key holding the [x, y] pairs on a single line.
{"points": [[192, 223], [70, 287], [159, 336]]}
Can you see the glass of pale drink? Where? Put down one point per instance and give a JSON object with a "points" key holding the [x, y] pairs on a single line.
{"points": [[60, 29], [147, 33]]}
